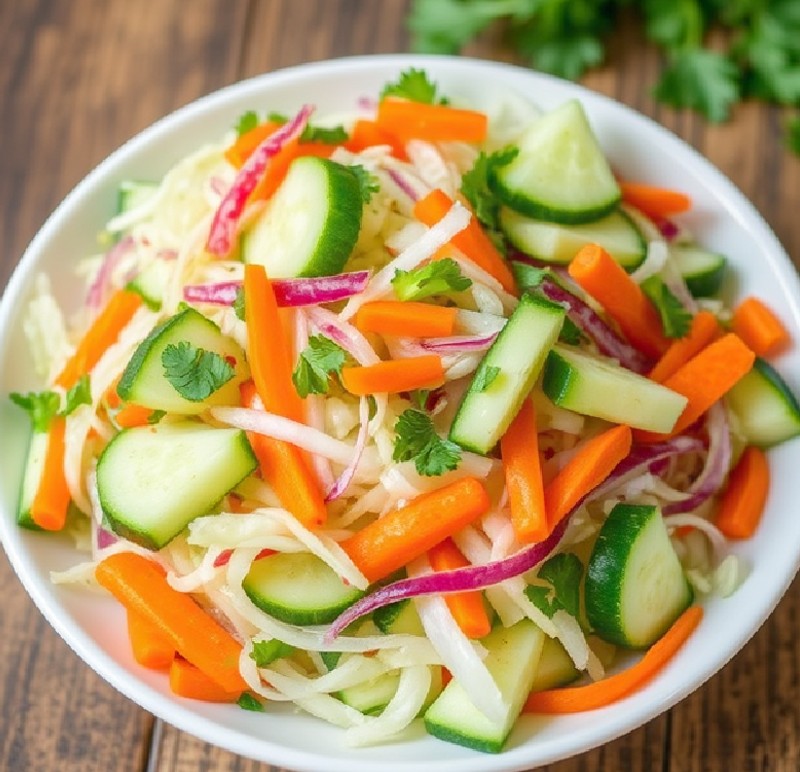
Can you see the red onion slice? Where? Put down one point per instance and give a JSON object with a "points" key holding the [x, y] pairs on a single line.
{"points": [[102, 281], [344, 334], [340, 486], [103, 537], [404, 184]]}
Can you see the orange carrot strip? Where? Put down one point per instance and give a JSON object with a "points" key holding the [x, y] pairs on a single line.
{"points": [[704, 379], [395, 375], [133, 415], [434, 123], [519, 448], [401, 536], [110, 397], [575, 699], [705, 328], [276, 171], [744, 498], [51, 502], [186, 680], [243, 147], [367, 133], [605, 280], [592, 463], [417, 320], [472, 241], [141, 586], [104, 331], [151, 648], [758, 326], [467, 608], [654, 202]]}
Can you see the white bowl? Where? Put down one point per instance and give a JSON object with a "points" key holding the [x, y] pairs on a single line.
{"points": [[639, 149]]}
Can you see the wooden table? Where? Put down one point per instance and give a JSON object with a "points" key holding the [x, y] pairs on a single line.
{"points": [[77, 78]]}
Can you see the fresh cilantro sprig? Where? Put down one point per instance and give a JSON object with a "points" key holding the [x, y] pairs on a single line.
{"points": [[79, 394], [563, 574], [266, 652], [247, 702], [317, 362], [330, 135], [43, 406], [415, 85], [417, 439], [475, 185], [436, 278], [367, 182], [675, 319], [194, 372], [247, 122]]}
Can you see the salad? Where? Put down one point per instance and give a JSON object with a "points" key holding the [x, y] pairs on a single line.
{"points": [[416, 412]]}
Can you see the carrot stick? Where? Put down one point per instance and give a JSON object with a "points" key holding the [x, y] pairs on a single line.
{"points": [[655, 202], [151, 648], [592, 463], [395, 375], [276, 171], [575, 699], [104, 331], [472, 241], [51, 502], [133, 415], [704, 379], [466, 607], [245, 144], [705, 328], [186, 680], [367, 133], [141, 586], [417, 320], [744, 498], [605, 280], [758, 326], [434, 123], [404, 534], [519, 448]]}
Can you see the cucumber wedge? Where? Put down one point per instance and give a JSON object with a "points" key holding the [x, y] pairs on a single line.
{"points": [[635, 585], [398, 618], [151, 283], [560, 173], [513, 658], [153, 481], [34, 469], [598, 387], [703, 271], [310, 225], [371, 697], [507, 373], [555, 667]]}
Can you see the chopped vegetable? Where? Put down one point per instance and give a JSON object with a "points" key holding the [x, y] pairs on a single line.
{"points": [[675, 319], [188, 681], [759, 327], [475, 186], [439, 277], [745, 495], [415, 85], [563, 573], [150, 647], [195, 373], [393, 376], [656, 203], [434, 123], [317, 362], [417, 320], [704, 329], [417, 440], [49, 507]]}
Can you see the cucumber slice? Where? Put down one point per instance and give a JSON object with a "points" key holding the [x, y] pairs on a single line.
{"points": [[143, 382], [152, 481], [507, 373], [32, 478], [151, 283], [598, 387], [635, 585], [371, 697], [703, 271], [555, 667], [132, 194], [555, 243], [298, 588], [398, 618], [767, 410], [310, 225], [560, 173], [512, 659]]}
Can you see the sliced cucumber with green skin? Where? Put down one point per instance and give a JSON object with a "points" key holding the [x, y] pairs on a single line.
{"points": [[144, 383], [703, 271], [556, 668], [310, 225], [512, 659], [152, 481], [398, 618], [635, 585], [560, 173], [510, 368], [151, 282], [298, 588], [32, 478], [555, 243], [598, 387], [132, 194], [371, 697], [766, 408]]}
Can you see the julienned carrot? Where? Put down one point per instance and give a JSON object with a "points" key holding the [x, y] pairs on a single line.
{"points": [[655, 202], [276, 171], [141, 586], [186, 680], [367, 133], [605, 280], [395, 375], [151, 648], [472, 241], [51, 502], [743, 502], [103, 332], [519, 449], [417, 320], [591, 464], [575, 699], [434, 123], [133, 415], [467, 608], [285, 468], [246, 143], [704, 379], [400, 536], [704, 329], [758, 326]]}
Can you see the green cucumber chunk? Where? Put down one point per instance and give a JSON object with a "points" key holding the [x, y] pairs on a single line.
{"points": [[703, 271], [151, 282], [598, 387], [556, 668], [310, 225], [507, 373], [635, 585], [372, 696], [152, 481], [32, 478], [398, 618]]}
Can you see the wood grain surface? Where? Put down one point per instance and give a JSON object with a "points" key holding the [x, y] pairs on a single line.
{"points": [[78, 78]]}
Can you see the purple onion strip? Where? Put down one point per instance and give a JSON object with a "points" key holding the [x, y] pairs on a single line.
{"points": [[460, 344], [102, 282], [346, 477], [403, 184]]}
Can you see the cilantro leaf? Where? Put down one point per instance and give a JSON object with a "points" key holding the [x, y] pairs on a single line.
{"points": [[238, 303], [475, 185], [316, 363], [265, 652], [675, 319], [247, 702], [417, 439], [79, 394], [330, 135], [194, 372], [367, 181], [436, 278], [485, 377], [42, 407], [563, 573], [156, 416], [415, 85], [527, 276], [247, 122]]}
